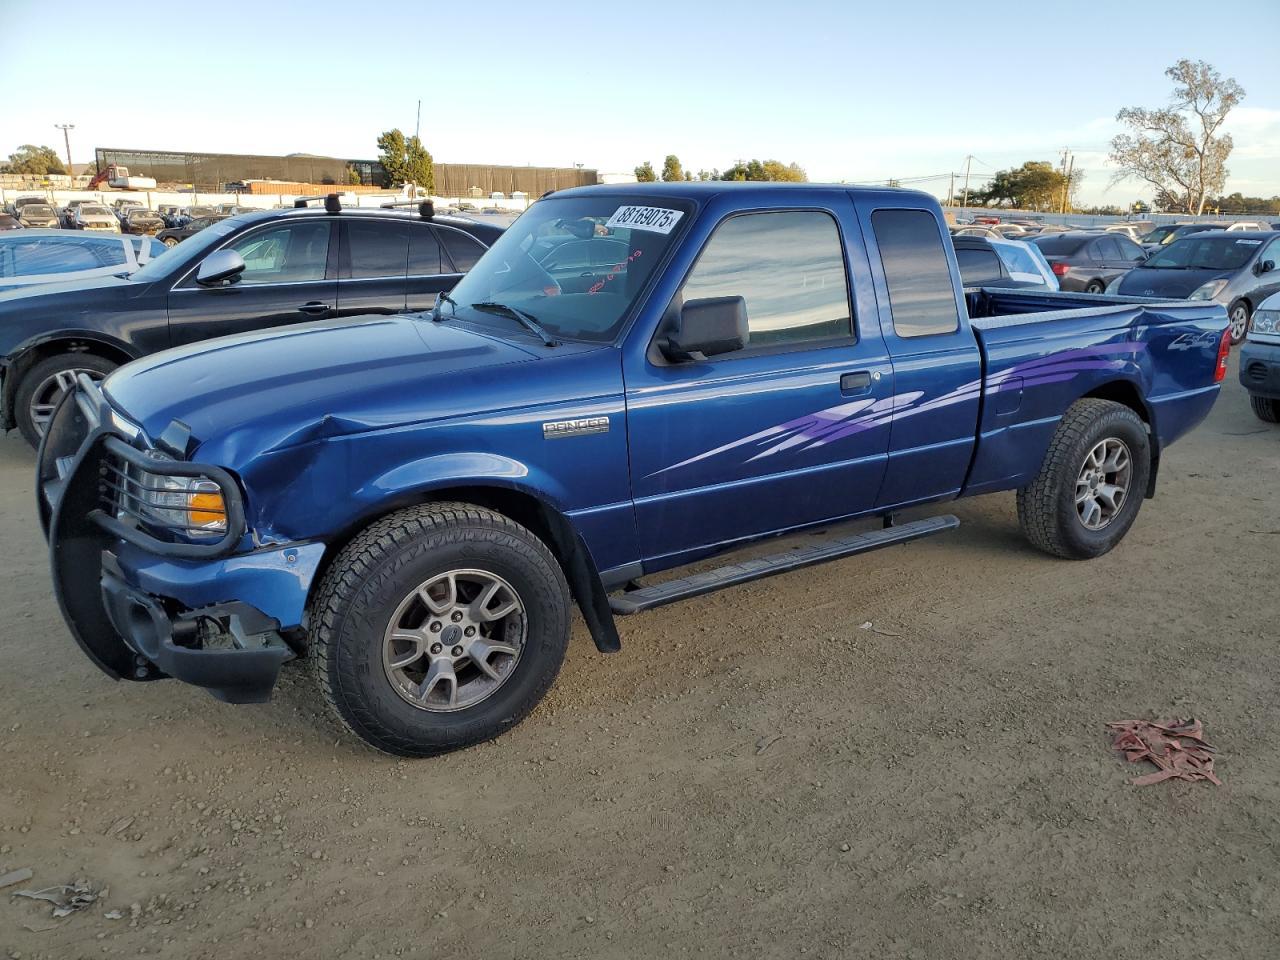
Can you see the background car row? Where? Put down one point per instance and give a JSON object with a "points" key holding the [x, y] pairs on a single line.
{"points": [[246, 272]]}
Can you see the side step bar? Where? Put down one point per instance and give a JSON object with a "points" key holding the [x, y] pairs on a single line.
{"points": [[831, 548]]}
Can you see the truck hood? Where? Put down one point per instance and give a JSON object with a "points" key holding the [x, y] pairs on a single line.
{"points": [[289, 385], [1166, 283]]}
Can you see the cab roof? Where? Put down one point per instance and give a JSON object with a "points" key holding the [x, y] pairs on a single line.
{"points": [[706, 189]]}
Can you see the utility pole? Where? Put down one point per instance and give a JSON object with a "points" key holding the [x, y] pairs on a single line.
{"points": [[951, 191], [66, 138], [1066, 186], [965, 202]]}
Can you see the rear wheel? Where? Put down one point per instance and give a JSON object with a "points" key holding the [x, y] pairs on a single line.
{"points": [[1266, 408], [439, 627], [1238, 313], [1095, 286], [44, 386], [1091, 484]]}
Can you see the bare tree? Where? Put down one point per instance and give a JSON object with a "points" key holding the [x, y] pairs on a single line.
{"points": [[1178, 149]]}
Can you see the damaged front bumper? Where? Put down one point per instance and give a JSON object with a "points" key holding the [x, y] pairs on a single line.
{"points": [[218, 615]]}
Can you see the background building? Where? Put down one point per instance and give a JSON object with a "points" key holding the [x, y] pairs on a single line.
{"points": [[213, 171]]}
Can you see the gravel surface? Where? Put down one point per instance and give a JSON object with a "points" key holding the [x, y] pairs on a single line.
{"points": [[758, 773]]}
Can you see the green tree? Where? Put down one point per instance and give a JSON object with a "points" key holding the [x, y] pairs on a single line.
{"points": [[353, 175], [1036, 185], [671, 169], [645, 173], [419, 166], [1178, 149], [34, 161], [405, 161], [391, 154], [765, 170]]}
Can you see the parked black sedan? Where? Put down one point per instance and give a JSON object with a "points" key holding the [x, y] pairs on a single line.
{"points": [[247, 272], [1086, 261]]}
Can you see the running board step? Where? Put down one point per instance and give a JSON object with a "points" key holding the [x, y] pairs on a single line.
{"points": [[832, 548]]}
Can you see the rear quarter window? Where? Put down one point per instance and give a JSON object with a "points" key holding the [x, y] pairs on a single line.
{"points": [[916, 272]]}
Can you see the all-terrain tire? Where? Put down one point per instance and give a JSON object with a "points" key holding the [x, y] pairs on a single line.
{"points": [[38, 379], [1047, 510], [383, 565], [1265, 408]]}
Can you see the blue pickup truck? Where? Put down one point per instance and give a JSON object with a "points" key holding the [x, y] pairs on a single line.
{"points": [[632, 379]]}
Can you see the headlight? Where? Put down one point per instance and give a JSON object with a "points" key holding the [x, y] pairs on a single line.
{"points": [[190, 505], [1208, 291], [1267, 321]]}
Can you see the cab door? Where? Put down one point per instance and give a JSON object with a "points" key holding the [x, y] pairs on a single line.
{"points": [[937, 368], [792, 430], [372, 258], [289, 277]]}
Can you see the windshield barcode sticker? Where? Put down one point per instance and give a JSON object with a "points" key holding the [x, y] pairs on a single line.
{"points": [[655, 219]]}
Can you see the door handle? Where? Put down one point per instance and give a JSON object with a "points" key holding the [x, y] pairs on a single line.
{"points": [[855, 383], [315, 308]]}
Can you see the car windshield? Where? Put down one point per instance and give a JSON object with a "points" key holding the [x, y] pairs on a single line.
{"points": [[1209, 252], [90, 211], [37, 210], [574, 264], [1158, 234], [200, 211], [188, 251]]}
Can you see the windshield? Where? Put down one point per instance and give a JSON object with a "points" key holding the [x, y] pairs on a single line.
{"points": [[1158, 234], [575, 264], [1209, 252], [188, 251], [37, 210], [133, 214], [88, 211]]}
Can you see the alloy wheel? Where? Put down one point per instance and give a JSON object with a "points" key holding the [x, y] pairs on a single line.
{"points": [[50, 391], [1103, 483], [454, 640]]}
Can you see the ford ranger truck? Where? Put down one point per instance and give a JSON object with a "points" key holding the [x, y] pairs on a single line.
{"points": [[631, 379]]}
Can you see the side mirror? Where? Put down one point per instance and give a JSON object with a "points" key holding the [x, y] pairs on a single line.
{"points": [[219, 267], [708, 327], [1266, 266]]}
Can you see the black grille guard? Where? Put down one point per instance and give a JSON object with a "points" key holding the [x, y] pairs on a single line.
{"points": [[77, 451]]}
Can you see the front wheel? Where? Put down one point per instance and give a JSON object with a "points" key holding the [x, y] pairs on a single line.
{"points": [[1095, 286], [1091, 483], [439, 627], [45, 384], [1238, 313]]}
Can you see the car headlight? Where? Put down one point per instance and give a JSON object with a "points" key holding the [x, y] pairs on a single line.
{"points": [[190, 505], [1267, 321], [1208, 290]]}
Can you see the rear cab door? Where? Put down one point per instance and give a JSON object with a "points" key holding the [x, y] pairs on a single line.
{"points": [[791, 430], [290, 276], [937, 366], [373, 253]]}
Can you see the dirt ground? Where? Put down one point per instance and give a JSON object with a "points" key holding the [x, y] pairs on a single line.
{"points": [[755, 775]]}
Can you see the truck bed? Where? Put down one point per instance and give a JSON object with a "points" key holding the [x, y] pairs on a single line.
{"points": [[1042, 350]]}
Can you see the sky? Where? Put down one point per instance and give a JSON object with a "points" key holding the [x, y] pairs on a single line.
{"points": [[851, 91]]}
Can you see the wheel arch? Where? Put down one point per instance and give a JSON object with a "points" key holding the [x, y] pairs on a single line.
{"points": [[1127, 393], [31, 353], [538, 515]]}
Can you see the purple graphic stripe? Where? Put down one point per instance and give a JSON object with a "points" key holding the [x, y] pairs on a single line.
{"points": [[847, 419]]}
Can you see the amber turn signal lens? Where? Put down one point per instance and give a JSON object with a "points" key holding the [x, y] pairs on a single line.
{"points": [[207, 510]]}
